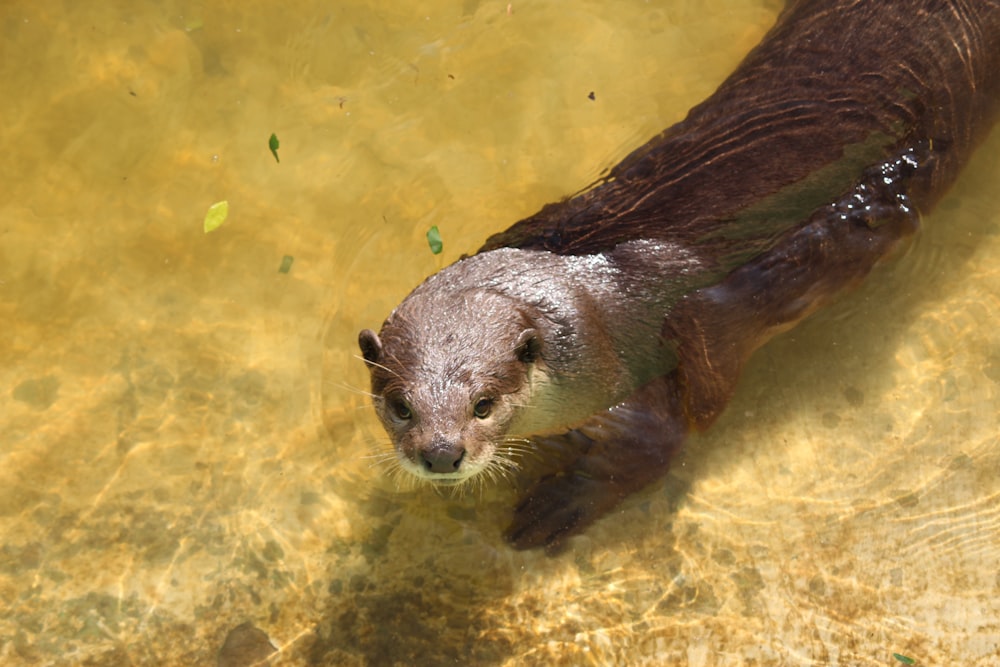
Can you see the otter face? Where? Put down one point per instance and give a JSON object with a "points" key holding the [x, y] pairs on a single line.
{"points": [[449, 374]]}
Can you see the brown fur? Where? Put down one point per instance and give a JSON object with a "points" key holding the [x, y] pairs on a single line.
{"points": [[803, 170]]}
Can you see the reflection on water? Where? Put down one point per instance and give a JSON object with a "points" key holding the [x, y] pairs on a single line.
{"points": [[187, 450]]}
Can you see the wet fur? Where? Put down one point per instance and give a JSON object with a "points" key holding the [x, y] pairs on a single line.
{"points": [[648, 292]]}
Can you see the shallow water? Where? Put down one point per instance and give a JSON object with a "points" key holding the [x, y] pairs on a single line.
{"points": [[186, 446]]}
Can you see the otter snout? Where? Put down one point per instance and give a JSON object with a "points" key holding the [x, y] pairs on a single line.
{"points": [[441, 457]]}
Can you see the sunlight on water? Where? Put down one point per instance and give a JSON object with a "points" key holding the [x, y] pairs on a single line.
{"points": [[186, 441]]}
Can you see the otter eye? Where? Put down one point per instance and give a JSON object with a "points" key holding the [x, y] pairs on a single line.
{"points": [[401, 409], [482, 408]]}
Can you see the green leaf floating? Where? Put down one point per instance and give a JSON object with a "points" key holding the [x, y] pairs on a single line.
{"points": [[273, 144], [216, 215], [905, 659], [434, 240]]}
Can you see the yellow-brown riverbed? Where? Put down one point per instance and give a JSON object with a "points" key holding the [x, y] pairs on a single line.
{"points": [[185, 443]]}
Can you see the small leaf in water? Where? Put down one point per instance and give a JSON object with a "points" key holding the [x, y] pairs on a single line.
{"points": [[216, 215], [906, 660], [286, 264], [434, 240], [273, 144]]}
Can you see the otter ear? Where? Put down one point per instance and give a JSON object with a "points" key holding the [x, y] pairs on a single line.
{"points": [[529, 346], [371, 346]]}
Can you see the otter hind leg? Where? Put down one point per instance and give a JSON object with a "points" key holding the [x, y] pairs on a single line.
{"points": [[622, 450], [716, 328]]}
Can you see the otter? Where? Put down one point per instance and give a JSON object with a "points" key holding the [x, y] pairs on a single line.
{"points": [[615, 322]]}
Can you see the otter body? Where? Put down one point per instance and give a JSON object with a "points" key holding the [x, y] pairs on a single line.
{"points": [[615, 322]]}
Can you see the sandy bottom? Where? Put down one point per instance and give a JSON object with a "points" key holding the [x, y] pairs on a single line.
{"points": [[185, 446]]}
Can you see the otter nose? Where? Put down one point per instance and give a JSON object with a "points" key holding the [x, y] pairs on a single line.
{"points": [[442, 457]]}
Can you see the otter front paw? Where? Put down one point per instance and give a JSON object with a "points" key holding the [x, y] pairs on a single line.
{"points": [[560, 506]]}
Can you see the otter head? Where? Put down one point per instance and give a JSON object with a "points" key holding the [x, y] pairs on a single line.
{"points": [[450, 371]]}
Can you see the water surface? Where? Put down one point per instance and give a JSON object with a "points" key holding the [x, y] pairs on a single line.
{"points": [[185, 440]]}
